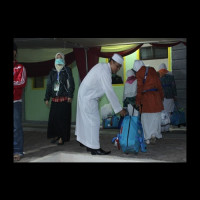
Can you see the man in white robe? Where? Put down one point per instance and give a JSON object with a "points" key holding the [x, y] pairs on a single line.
{"points": [[97, 83]]}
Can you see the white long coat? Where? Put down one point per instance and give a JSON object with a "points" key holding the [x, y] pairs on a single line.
{"points": [[97, 83]]}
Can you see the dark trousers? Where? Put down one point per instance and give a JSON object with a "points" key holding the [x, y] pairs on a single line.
{"points": [[59, 123], [18, 135]]}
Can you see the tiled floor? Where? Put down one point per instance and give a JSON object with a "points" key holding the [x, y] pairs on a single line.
{"points": [[37, 148]]}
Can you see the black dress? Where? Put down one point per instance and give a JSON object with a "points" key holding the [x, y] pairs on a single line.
{"points": [[59, 123]]}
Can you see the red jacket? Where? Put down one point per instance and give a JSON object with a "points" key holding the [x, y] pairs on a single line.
{"points": [[19, 80]]}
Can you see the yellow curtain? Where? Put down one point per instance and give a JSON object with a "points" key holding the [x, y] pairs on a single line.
{"points": [[117, 48]]}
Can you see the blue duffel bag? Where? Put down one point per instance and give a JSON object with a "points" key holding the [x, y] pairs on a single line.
{"points": [[111, 121]]}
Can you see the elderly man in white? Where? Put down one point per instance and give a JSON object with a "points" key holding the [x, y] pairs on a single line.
{"points": [[97, 83]]}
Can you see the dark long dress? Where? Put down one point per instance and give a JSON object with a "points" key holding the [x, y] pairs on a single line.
{"points": [[59, 124]]}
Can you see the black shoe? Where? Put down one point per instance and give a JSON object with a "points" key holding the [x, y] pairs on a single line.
{"points": [[81, 145], [99, 152], [88, 149]]}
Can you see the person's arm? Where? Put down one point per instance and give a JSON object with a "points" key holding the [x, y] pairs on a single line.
{"points": [[140, 78], [48, 90], [71, 86], [106, 82], [159, 87], [20, 78], [174, 87]]}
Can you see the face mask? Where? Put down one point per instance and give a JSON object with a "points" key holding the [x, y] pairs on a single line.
{"points": [[59, 61]]}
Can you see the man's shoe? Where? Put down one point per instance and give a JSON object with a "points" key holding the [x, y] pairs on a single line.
{"points": [[88, 149], [99, 152], [81, 145]]}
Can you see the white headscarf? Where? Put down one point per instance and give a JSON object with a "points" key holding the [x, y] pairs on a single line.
{"points": [[130, 90], [59, 67], [129, 73], [62, 55], [137, 65], [162, 66]]}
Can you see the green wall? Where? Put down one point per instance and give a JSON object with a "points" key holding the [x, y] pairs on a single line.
{"points": [[35, 108]]}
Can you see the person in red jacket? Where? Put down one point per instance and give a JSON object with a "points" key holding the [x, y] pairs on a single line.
{"points": [[150, 100], [19, 82]]}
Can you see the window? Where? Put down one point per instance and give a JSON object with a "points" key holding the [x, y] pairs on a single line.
{"points": [[149, 53], [38, 82]]}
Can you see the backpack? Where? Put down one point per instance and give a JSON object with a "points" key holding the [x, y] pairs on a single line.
{"points": [[131, 136], [169, 86]]}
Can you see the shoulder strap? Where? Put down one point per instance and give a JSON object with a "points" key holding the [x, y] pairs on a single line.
{"points": [[145, 75]]}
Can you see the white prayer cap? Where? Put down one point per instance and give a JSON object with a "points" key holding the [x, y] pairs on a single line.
{"points": [[118, 58], [162, 66], [137, 65]]}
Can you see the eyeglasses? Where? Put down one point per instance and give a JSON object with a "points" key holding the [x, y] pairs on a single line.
{"points": [[117, 65]]}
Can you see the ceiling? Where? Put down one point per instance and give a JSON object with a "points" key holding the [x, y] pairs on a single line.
{"points": [[35, 43]]}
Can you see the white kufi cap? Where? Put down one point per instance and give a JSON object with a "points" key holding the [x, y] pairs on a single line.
{"points": [[118, 58]]}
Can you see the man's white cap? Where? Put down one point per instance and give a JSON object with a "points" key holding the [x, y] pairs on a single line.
{"points": [[137, 65], [118, 58]]}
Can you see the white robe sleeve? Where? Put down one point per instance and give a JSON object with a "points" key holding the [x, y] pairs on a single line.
{"points": [[106, 82]]}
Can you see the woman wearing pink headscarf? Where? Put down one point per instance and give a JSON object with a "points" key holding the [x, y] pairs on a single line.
{"points": [[130, 92]]}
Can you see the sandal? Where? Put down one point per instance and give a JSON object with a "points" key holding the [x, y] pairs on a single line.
{"points": [[17, 157], [60, 142], [53, 141]]}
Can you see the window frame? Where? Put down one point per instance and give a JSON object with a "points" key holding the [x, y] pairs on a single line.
{"points": [[33, 83], [153, 53]]}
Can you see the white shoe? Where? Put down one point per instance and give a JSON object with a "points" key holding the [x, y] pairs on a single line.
{"points": [[147, 141]]}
